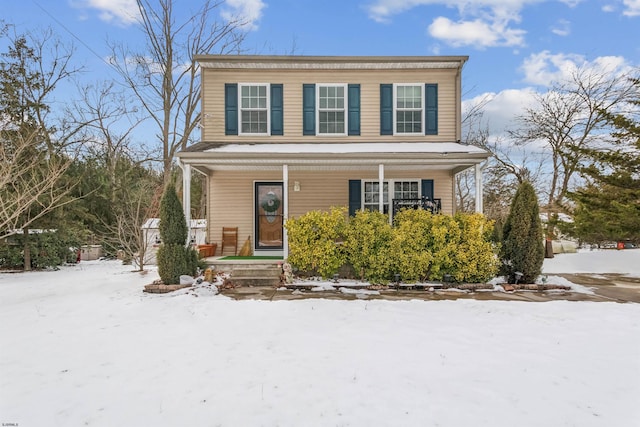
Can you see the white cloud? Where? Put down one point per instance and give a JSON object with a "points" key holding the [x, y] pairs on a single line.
{"points": [[608, 8], [119, 12], [562, 28], [632, 7], [501, 109], [481, 22], [476, 33], [545, 68], [249, 11]]}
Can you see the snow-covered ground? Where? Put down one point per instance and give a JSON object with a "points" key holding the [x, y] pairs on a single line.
{"points": [[85, 346]]}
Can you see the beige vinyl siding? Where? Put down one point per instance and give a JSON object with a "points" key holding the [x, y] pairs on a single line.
{"points": [[231, 201], [369, 80]]}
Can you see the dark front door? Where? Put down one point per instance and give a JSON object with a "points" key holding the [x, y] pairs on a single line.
{"points": [[269, 213]]}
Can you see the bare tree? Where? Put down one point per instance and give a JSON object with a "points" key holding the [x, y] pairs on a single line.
{"points": [[164, 77], [140, 200], [30, 182], [37, 144], [570, 116]]}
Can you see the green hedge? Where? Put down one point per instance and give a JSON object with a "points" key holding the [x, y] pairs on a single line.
{"points": [[420, 246], [49, 249], [314, 241]]}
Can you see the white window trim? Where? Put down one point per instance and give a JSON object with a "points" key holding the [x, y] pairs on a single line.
{"points": [[240, 109], [395, 103], [391, 187], [345, 109]]}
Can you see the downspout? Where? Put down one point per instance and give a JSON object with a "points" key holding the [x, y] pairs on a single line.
{"points": [[458, 87]]}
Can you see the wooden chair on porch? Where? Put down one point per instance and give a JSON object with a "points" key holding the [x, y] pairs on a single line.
{"points": [[230, 239]]}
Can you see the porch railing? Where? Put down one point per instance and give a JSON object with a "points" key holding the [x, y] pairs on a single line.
{"points": [[432, 205]]}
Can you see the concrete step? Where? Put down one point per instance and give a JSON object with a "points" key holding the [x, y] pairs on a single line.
{"points": [[256, 275], [256, 272], [255, 281]]}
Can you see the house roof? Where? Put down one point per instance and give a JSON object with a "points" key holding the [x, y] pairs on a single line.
{"points": [[329, 62], [445, 155]]}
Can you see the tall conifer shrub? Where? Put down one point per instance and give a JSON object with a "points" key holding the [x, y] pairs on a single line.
{"points": [[522, 242], [174, 258]]}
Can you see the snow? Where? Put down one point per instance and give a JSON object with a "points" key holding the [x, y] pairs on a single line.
{"points": [[85, 346], [606, 261]]}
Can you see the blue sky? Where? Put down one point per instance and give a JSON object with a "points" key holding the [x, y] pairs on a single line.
{"points": [[514, 46]]}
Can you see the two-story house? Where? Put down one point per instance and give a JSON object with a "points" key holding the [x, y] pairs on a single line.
{"points": [[283, 135]]}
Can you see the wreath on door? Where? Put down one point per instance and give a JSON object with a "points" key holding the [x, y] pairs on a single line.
{"points": [[270, 204]]}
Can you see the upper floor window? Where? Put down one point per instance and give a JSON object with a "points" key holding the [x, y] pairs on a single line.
{"points": [[408, 107], [254, 109], [331, 109]]}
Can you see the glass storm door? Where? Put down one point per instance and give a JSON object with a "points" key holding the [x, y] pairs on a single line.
{"points": [[269, 214]]}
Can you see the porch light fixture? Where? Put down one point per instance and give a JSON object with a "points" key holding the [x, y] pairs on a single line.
{"points": [[296, 186], [396, 277], [447, 278], [336, 277]]}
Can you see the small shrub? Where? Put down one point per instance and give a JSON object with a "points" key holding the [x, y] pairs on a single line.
{"points": [[368, 244], [522, 245], [173, 261], [315, 241], [476, 260], [174, 258], [410, 253]]}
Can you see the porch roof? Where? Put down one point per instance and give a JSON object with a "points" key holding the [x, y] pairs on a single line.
{"points": [[442, 155]]}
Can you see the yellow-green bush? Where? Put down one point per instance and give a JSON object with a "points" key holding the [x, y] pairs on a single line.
{"points": [[314, 241], [420, 246], [367, 245], [410, 255], [476, 260]]}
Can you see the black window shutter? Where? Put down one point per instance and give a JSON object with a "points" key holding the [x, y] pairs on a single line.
{"points": [[427, 188], [308, 109], [231, 109], [431, 109], [386, 109], [355, 190], [354, 109], [277, 120]]}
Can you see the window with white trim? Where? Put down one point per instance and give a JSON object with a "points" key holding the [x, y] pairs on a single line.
{"points": [[408, 108], [400, 189], [254, 109], [331, 109]]}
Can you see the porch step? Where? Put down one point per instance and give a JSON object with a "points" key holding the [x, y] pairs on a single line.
{"points": [[256, 275]]}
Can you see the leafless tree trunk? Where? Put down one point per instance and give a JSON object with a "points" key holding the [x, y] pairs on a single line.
{"points": [[164, 77]]}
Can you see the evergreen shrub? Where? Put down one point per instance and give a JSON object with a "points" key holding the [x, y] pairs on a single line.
{"points": [[174, 257], [522, 245], [48, 250]]}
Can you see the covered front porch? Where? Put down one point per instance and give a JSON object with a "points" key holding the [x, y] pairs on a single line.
{"points": [[256, 187]]}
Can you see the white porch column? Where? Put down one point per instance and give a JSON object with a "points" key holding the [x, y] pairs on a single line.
{"points": [[381, 187], [285, 210], [186, 197], [479, 186]]}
